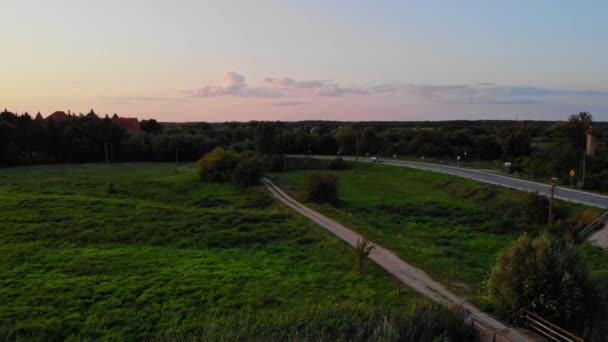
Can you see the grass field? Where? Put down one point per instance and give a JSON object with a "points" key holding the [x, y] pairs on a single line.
{"points": [[453, 228], [169, 257]]}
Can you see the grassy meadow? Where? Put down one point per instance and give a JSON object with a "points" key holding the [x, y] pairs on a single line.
{"points": [[166, 257], [453, 228]]}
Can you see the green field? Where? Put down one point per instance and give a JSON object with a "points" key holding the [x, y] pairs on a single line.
{"points": [[453, 228], [169, 257]]}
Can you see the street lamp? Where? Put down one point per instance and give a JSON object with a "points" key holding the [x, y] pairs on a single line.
{"points": [[553, 184]]}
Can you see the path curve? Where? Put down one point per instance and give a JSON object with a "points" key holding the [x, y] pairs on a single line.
{"points": [[408, 274]]}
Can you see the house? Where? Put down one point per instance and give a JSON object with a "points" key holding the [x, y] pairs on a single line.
{"points": [[130, 124], [57, 116]]}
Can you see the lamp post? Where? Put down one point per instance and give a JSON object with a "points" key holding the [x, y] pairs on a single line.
{"points": [[553, 183]]}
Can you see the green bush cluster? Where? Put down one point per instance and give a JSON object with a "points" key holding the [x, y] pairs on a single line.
{"points": [[243, 170], [337, 164], [549, 277], [323, 188]]}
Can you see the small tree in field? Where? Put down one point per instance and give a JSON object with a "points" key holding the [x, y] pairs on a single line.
{"points": [[544, 275], [362, 250], [248, 171], [217, 165], [323, 188], [337, 164]]}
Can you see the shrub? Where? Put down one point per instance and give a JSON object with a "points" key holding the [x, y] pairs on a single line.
{"points": [[337, 164], [323, 188], [543, 275], [363, 249], [536, 208], [248, 170], [217, 165], [111, 188]]}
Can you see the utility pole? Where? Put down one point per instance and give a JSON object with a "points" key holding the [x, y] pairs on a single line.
{"points": [[553, 183], [357, 149], [105, 147], [584, 160], [284, 162]]}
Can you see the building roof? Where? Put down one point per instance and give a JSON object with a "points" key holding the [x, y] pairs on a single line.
{"points": [[57, 116], [130, 124]]}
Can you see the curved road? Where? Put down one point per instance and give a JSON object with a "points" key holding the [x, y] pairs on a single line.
{"points": [[520, 184]]}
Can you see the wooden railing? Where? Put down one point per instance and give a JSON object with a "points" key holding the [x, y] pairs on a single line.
{"points": [[592, 227], [487, 333], [550, 330]]}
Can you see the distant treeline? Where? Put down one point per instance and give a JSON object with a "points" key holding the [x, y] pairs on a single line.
{"points": [[535, 148]]}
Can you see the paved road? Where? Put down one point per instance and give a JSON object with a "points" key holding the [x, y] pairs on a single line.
{"points": [[408, 274], [544, 189]]}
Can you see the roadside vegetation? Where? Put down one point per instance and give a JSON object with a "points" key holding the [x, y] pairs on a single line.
{"points": [[164, 256], [452, 227], [457, 229], [549, 277]]}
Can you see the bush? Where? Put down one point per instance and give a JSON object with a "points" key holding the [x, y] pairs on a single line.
{"points": [[243, 170], [248, 171], [323, 188], [217, 165], [337, 164], [543, 275], [536, 208]]}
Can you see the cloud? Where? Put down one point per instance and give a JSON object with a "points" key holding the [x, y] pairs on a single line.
{"points": [[485, 93], [289, 103], [134, 99], [288, 83], [235, 84], [314, 87]]}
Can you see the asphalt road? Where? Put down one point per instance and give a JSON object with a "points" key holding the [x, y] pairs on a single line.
{"points": [[561, 193], [408, 274]]}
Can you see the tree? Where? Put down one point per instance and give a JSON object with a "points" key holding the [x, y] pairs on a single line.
{"points": [[151, 126], [337, 164], [248, 170], [265, 137], [543, 275], [363, 249], [536, 208], [346, 138], [323, 188], [217, 165]]}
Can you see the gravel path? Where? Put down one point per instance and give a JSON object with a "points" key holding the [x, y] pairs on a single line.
{"points": [[408, 274]]}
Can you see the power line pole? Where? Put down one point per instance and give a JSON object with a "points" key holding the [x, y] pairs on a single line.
{"points": [[584, 162], [357, 148], [553, 183]]}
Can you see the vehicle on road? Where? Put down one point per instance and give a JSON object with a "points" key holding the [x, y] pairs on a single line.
{"points": [[376, 160]]}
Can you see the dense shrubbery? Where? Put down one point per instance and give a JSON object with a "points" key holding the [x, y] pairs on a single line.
{"points": [[342, 323], [219, 165], [323, 188], [549, 277], [337, 164]]}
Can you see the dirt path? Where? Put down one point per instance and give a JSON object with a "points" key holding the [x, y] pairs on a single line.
{"points": [[408, 274]]}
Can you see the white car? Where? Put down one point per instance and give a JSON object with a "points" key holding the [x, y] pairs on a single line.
{"points": [[376, 160]]}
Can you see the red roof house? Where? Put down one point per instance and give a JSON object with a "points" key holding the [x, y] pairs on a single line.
{"points": [[130, 124], [57, 116]]}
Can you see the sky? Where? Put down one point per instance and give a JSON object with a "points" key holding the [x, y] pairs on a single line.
{"points": [[204, 60]]}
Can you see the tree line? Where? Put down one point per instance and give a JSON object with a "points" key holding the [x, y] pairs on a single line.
{"points": [[538, 149]]}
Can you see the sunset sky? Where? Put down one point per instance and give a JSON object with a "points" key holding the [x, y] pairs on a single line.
{"points": [[316, 59]]}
